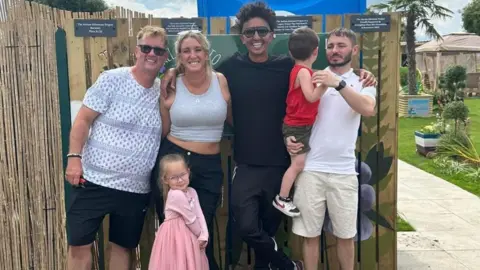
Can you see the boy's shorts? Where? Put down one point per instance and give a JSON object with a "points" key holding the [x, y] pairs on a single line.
{"points": [[301, 134]]}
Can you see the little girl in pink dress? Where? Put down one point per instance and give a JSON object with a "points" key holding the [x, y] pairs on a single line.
{"points": [[181, 239]]}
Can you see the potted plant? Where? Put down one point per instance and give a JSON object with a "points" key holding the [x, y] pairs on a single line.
{"points": [[426, 139]]}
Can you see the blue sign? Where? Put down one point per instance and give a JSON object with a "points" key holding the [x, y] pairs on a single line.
{"points": [[222, 8], [418, 107]]}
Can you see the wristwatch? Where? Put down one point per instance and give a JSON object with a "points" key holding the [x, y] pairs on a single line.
{"points": [[341, 85]]}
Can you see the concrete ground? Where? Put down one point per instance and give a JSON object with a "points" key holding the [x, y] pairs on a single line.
{"points": [[446, 219]]}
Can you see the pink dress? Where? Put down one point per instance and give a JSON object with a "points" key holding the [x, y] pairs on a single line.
{"points": [[176, 245]]}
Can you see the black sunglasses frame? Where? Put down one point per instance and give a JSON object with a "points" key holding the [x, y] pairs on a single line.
{"points": [[146, 49], [262, 31]]}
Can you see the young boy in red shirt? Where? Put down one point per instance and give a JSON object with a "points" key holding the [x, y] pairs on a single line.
{"points": [[303, 99]]}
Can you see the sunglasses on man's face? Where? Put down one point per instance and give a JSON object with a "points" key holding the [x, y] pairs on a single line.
{"points": [[146, 49], [261, 31]]}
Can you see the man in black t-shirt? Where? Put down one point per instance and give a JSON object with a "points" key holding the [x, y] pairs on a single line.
{"points": [[258, 85]]}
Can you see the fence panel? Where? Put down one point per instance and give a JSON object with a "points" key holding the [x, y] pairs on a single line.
{"points": [[32, 207]]}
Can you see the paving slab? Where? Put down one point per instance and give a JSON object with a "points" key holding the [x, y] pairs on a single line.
{"points": [[446, 219]]}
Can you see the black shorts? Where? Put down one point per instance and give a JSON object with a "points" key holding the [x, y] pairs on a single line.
{"points": [[88, 207], [301, 134]]}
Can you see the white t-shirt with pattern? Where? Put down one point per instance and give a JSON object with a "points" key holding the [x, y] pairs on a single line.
{"points": [[124, 139]]}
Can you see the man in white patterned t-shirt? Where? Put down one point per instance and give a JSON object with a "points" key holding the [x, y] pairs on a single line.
{"points": [[329, 176], [110, 168]]}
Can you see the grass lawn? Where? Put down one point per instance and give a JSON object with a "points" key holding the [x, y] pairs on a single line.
{"points": [[403, 225], [406, 146]]}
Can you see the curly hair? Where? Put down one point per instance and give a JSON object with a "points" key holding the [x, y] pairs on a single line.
{"points": [[257, 9]]}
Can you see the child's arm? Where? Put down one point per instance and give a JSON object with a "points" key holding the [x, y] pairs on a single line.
{"points": [[310, 92], [203, 224], [177, 201]]}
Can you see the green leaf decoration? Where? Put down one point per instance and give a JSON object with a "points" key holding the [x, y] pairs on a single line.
{"points": [[384, 163], [377, 218]]}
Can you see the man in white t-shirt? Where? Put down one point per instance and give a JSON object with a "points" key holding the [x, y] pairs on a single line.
{"points": [[329, 175], [114, 143]]}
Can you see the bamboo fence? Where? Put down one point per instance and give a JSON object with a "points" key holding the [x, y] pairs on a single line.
{"points": [[31, 173]]}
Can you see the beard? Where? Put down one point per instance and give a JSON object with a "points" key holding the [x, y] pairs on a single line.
{"points": [[347, 59]]}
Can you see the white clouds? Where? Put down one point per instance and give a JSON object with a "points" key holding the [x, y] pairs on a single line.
{"points": [[453, 24], [444, 27], [164, 9]]}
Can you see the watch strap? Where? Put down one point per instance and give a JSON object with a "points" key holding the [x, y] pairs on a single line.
{"points": [[341, 85]]}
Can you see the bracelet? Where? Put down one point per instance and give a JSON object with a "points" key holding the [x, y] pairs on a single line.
{"points": [[74, 155]]}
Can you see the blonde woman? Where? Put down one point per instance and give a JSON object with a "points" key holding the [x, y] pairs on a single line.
{"points": [[192, 120]]}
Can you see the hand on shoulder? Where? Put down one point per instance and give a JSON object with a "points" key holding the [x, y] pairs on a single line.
{"points": [[366, 77]]}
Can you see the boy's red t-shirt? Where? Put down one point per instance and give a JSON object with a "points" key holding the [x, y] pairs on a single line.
{"points": [[300, 112]]}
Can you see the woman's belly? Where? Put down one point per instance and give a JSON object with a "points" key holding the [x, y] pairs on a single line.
{"points": [[204, 148]]}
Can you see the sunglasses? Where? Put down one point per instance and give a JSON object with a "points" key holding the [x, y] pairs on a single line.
{"points": [[261, 31], [146, 49], [193, 31]]}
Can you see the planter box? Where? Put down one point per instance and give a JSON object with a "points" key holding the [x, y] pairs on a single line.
{"points": [[426, 143], [415, 105]]}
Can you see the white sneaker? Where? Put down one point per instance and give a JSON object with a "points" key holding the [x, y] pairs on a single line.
{"points": [[286, 206]]}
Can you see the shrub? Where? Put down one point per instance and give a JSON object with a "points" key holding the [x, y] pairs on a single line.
{"points": [[451, 85], [456, 111], [458, 146], [404, 80], [437, 127]]}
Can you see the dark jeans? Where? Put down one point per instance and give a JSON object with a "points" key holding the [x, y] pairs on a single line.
{"points": [[206, 177], [254, 217]]}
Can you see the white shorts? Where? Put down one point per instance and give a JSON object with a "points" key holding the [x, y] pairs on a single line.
{"points": [[316, 191]]}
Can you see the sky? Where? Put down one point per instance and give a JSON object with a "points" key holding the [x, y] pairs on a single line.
{"points": [[188, 8]]}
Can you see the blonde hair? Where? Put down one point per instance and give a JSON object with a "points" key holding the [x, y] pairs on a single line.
{"points": [[198, 36], [152, 31], [168, 159]]}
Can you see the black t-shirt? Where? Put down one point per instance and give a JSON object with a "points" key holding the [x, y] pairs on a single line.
{"points": [[259, 92]]}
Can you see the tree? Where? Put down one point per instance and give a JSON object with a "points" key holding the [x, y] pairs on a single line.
{"points": [[372, 10], [418, 13], [470, 13], [76, 5]]}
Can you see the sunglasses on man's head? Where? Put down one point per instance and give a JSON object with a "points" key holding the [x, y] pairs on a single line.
{"points": [[146, 49], [261, 31]]}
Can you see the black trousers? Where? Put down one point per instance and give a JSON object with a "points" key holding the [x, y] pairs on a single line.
{"points": [[254, 217], [206, 177]]}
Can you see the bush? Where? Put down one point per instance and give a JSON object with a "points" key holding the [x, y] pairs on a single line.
{"points": [[456, 111], [450, 138], [458, 146], [404, 80], [403, 76], [451, 85], [437, 127]]}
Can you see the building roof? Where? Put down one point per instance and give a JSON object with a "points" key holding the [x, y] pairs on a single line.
{"points": [[454, 42]]}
